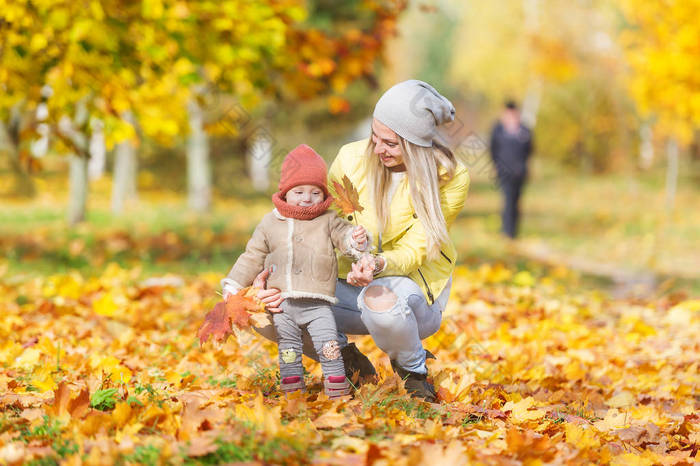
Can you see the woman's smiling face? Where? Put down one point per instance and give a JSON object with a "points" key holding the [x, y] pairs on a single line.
{"points": [[386, 145]]}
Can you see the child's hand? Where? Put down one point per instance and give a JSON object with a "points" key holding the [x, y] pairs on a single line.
{"points": [[359, 235]]}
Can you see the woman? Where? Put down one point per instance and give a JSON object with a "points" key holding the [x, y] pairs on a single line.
{"points": [[411, 188]]}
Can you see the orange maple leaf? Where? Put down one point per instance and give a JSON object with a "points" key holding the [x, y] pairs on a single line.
{"points": [[347, 199], [236, 310], [63, 402]]}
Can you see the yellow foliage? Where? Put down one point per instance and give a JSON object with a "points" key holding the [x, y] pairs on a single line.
{"points": [[524, 374], [660, 44]]}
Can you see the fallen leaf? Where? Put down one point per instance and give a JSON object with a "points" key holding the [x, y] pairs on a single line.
{"points": [[613, 420], [330, 420], [31, 414], [200, 446], [236, 310], [521, 412], [621, 400], [121, 414], [581, 436]]}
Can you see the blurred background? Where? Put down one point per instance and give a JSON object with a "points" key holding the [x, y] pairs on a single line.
{"points": [[150, 133]]}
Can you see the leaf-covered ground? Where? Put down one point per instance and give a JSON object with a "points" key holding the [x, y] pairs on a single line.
{"points": [[108, 370]]}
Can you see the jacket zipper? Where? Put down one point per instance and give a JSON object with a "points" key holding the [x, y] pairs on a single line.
{"points": [[445, 256], [430, 293]]}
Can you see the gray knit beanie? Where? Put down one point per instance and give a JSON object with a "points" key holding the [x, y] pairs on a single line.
{"points": [[413, 109]]}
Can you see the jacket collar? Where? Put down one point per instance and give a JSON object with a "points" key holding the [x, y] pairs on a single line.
{"points": [[278, 214]]}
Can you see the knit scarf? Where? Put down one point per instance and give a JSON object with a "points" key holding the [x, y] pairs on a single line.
{"points": [[300, 212]]}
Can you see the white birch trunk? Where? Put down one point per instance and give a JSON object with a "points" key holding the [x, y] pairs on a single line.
{"points": [[124, 187], [198, 170], [533, 95], [671, 173], [125, 169], [40, 147], [646, 146], [78, 180], [531, 103], [98, 152], [259, 158], [77, 199]]}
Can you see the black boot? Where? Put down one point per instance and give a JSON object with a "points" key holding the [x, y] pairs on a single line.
{"points": [[358, 368], [416, 384]]}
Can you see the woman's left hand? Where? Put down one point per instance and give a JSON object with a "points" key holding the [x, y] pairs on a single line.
{"points": [[362, 271]]}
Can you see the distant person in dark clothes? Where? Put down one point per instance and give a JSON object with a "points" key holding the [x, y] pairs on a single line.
{"points": [[511, 146]]}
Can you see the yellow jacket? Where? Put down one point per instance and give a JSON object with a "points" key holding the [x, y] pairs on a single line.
{"points": [[403, 242]]}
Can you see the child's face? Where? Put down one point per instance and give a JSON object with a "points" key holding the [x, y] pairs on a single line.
{"points": [[304, 195]]}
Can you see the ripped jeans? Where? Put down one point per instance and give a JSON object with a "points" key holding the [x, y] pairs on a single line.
{"points": [[316, 318], [397, 331]]}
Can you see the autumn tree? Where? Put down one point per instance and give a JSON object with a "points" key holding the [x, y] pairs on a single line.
{"points": [[561, 61], [661, 46], [286, 55], [82, 63], [155, 64]]}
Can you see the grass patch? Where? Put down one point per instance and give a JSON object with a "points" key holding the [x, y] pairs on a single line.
{"points": [[143, 454], [254, 447], [104, 399]]}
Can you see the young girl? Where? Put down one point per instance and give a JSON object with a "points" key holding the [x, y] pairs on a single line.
{"points": [[296, 242]]}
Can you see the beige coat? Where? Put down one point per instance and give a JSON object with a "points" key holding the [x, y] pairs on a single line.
{"points": [[300, 253]]}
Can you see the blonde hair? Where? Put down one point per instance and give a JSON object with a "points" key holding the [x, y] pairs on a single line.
{"points": [[422, 164]]}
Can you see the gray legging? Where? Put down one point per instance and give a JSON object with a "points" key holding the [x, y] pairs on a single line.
{"points": [[316, 319], [397, 331]]}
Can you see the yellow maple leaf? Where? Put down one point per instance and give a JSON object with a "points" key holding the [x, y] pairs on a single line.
{"points": [[105, 305], [620, 400], [111, 366], [613, 420], [581, 437], [520, 411], [43, 380], [28, 359], [523, 278], [121, 414]]}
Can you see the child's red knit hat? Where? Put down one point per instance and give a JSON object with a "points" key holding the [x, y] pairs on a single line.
{"points": [[303, 166]]}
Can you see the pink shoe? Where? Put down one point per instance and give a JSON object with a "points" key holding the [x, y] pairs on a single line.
{"points": [[336, 386], [292, 384]]}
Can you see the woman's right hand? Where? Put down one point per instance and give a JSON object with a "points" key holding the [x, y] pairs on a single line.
{"points": [[362, 272], [272, 297]]}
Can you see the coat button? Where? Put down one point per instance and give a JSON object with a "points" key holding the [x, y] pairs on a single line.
{"points": [[297, 271], [299, 239], [415, 215], [350, 217]]}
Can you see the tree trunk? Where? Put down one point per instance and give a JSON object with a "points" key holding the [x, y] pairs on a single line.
{"points": [[671, 173], [646, 146], [98, 152], [78, 179], [531, 102], [259, 158], [78, 189], [533, 95], [124, 185], [23, 184], [198, 170]]}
